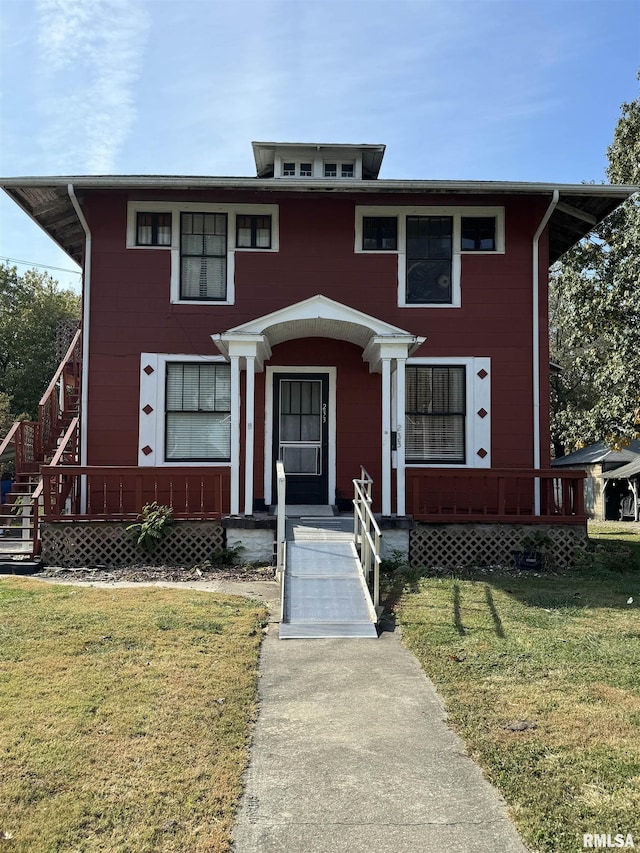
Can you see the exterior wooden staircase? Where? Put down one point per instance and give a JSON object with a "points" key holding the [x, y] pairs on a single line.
{"points": [[27, 446]]}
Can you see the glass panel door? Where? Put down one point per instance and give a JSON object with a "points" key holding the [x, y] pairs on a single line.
{"points": [[301, 435]]}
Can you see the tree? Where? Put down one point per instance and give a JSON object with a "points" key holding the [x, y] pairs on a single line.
{"points": [[595, 316], [31, 307]]}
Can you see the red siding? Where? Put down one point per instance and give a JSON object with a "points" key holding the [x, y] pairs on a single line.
{"points": [[131, 313]]}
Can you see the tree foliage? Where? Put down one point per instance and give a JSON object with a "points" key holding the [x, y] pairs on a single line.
{"points": [[595, 315], [31, 307]]}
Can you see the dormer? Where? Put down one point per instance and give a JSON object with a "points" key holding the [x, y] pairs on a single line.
{"points": [[306, 161]]}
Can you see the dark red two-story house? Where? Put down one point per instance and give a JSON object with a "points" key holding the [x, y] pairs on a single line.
{"points": [[321, 316]]}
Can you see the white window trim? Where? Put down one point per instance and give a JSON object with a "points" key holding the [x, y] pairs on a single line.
{"points": [[478, 397], [151, 427], [268, 425], [175, 209], [456, 213]]}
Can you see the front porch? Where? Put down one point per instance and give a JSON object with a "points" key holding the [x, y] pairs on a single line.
{"points": [[456, 517]]}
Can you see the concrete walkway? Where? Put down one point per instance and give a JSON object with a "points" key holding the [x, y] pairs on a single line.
{"points": [[352, 753]]}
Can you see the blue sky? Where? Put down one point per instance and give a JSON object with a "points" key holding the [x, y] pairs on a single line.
{"points": [[456, 89]]}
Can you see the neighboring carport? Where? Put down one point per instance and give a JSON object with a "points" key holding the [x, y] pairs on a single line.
{"points": [[630, 507]]}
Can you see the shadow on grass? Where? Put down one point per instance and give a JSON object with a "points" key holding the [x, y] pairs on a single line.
{"points": [[457, 618], [497, 622]]}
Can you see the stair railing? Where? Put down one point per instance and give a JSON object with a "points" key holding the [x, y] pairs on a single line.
{"points": [[366, 533], [60, 397]]}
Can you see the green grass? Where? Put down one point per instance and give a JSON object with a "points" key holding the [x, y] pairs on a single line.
{"points": [[125, 717], [561, 652]]}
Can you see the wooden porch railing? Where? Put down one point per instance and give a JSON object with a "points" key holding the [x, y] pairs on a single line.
{"points": [[25, 438], [455, 495], [119, 493]]}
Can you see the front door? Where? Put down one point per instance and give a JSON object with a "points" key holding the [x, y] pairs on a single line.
{"points": [[301, 434]]}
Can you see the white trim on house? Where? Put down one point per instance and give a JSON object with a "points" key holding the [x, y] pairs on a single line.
{"points": [[151, 423], [175, 209], [478, 400], [268, 423], [457, 213]]}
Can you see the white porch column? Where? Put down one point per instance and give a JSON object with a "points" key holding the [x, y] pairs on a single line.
{"points": [[400, 420], [249, 351], [249, 437], [386, 436], [235, 435]]}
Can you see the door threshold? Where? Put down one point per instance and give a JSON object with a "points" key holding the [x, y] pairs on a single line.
{"points": [[305, 510]]}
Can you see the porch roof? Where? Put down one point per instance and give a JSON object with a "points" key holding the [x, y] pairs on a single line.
{"points": [[318, 317]]}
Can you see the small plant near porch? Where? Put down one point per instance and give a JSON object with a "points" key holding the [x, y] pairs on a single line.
{"points": [[535, 553], [153, 526]]}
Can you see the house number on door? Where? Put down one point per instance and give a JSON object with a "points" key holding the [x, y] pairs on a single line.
{"points": [[324, 413]]}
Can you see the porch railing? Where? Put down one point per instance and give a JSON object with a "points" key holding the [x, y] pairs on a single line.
{"points": [[24, 436], [73, 492], [454, 495], [366, 533]]}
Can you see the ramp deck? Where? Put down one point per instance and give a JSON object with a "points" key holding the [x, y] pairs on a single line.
{"points": [[325, 594]]}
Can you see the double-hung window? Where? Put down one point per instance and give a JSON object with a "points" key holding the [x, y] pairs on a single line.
{"points": [[203, 256], [429, 259], [435, 426], [198, 412]]}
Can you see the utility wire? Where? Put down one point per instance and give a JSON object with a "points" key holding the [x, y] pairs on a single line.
{"points": [[41, 266]]}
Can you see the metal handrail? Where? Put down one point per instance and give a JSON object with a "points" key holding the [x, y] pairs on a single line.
{"points": [[364, 525], [281, 526]]}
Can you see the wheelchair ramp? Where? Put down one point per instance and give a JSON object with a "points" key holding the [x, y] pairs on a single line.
{"points": [[325, 594]]}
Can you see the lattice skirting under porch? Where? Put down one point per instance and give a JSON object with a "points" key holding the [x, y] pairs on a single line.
{"points": [[106, 543], [451, 546]]}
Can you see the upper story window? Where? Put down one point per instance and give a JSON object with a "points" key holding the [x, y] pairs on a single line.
{"points": [[153, 229], [253, 232], [478, 234], [380, 233], [429, 259], [342, 170], [203, 240], [429, 243], [292, 169], [203, 256]]}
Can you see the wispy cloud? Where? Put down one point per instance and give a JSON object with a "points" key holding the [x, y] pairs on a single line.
{"points": [[90, 54]]}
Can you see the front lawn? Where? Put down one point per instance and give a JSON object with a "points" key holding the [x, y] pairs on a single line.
{"points": [[124, 717], [541, 677]]}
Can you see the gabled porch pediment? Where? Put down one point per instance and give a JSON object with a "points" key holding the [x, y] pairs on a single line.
{"points": [[318, 317]]}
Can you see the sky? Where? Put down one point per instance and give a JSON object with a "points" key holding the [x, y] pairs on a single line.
{"points": [[521, 90]]}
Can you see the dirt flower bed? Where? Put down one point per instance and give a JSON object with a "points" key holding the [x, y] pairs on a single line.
{"points": [[173, 574]]}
